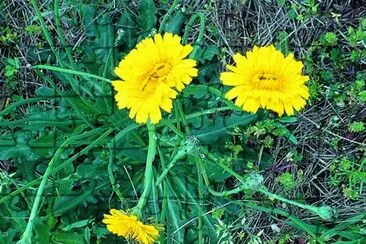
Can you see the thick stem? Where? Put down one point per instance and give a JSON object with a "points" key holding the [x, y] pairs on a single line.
{"points": [[201, 32], [324, 211], [148, 181]]}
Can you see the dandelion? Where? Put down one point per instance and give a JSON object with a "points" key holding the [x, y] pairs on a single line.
{"points": [[151, 76], [265, 78], [122, 224]]}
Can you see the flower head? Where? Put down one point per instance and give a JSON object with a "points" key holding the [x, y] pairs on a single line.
{"points": [[123, 224], [266, 78], [151, 75]]}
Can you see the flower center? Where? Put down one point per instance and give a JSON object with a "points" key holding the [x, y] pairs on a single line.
{"points": [[266, 81], [156, 74]]}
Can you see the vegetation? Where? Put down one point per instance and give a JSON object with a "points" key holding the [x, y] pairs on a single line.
{"points": [[214, 173]]}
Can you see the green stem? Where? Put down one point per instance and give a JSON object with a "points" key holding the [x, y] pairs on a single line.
{"points": [[165, 191], [27, 235], [200, 197], [165, 171], [167, 15], [45, 31], [164, 207], [260, 155], [148, 181], [201, 32], [282, 199], [179, 107], [69, 71], [202, 170], [207, 111], [173, 128], [223, 166]]}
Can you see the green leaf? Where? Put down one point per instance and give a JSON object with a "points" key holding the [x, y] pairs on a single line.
{"points": [[45, 91], [17, 148], [67, 238], [42, 232], [282, 43], [104, 45], [215, 173], [126, 32], [44, 145], [288, 119], [207, 53], [287, 133], [88, 12], [211, 131], [147, 15], [342, 226], [77, 224], [251, 156], [64, 204], [281, 2], [174, 24]]}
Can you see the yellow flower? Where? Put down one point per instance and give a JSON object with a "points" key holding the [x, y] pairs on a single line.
{"points": [[266, 78], [152, 74], [123, 224]]}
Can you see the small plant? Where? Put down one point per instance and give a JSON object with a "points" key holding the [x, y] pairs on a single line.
{"points": [[7, 35], [350, 174], [330, 38], [12, 66], [287, 180], [32, 29], [356, 126]]}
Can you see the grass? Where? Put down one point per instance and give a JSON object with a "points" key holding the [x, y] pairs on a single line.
{"points": [[219, 175]]}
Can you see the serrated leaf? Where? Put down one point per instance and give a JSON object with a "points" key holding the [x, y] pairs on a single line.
{"points": [[207, 53], [20, 150]]}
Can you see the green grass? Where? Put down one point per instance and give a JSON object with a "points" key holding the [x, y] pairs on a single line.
{"points": [[208, 172]]}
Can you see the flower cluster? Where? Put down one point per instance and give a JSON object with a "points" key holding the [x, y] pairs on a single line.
{"points": [[155, 71]]}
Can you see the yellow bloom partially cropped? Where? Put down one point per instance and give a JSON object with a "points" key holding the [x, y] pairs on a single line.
{"points": [[265, 78], [151, 75], [122, 224]]}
